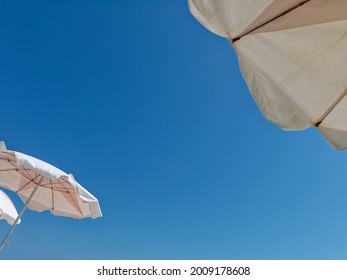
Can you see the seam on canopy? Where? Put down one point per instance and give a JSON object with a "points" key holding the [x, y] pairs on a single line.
{"points": [[331, 108], [233, 40]]}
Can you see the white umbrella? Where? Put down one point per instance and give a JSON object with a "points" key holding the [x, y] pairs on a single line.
{"points": [[42, 186], [292, 54], [8, 211]]}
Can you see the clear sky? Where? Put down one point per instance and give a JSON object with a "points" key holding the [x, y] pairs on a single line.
{"points": [[149, 111]]}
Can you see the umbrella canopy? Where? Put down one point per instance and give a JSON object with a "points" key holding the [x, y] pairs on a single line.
{"points": [[8, 211], [43, 187], [57, 191], [292, 55]]}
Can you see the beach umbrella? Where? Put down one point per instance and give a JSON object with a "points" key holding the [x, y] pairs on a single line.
{"points": [[292, 55], [42, 187], [8, 211]]}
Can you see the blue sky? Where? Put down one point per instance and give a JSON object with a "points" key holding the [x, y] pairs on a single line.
{"points": [[149, 111]]}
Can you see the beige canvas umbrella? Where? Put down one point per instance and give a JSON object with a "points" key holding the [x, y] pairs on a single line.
{"points": [[292, 54], [42, 187]]}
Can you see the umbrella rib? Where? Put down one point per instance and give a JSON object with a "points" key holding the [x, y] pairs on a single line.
{"points": [[78, 207], [233, 40], [9, 169], [332, 107], [25, 174], [43, 178], [56, 183], [72, 197], [66, 181], [52, 190], [76, 204], [59, 185], [20, 171], [64, 189], [26, 184]]}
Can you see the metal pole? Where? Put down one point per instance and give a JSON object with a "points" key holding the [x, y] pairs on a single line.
{"points": [[5, 241]]}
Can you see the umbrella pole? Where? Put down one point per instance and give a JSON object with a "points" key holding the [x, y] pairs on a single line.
{"points": [[5, 241]]}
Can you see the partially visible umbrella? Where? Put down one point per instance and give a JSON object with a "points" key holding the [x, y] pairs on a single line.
{"points": [[292, 55], [42, 187], [8, 211]]}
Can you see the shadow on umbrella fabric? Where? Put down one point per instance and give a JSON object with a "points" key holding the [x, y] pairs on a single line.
{"points": [[43, 187]]}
